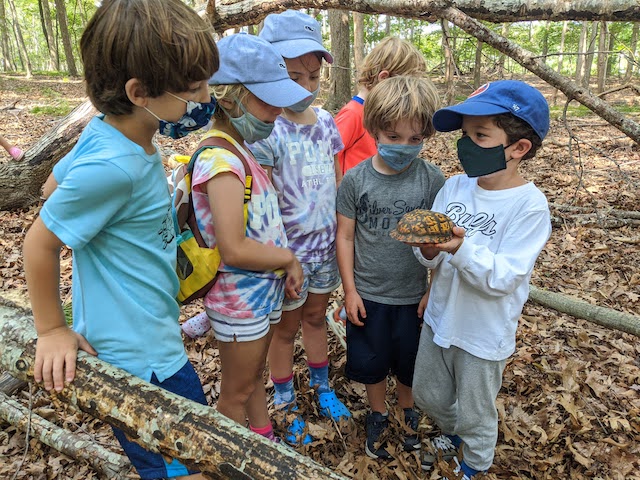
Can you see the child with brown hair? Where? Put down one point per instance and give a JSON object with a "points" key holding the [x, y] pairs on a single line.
{"points": [[146, 64]]}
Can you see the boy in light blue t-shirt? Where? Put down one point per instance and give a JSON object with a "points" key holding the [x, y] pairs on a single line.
{"points": [[108, 201]]}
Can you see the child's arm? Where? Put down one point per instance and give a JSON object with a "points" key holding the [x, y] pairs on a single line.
{"points": [[49, 186], [57, 345], [226, 195], [345, 253], [338, 170]]}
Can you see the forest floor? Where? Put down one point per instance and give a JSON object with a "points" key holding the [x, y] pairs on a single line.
{"points": [[570, 402]]}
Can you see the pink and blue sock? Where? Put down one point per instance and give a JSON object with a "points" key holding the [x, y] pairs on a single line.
{"points": [[284, 390], [319, 376]]}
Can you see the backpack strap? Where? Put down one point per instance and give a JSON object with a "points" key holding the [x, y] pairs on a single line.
{"points": [[218, 142]]}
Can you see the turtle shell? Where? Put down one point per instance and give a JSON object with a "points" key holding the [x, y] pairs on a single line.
{"points": [[423, 226]]}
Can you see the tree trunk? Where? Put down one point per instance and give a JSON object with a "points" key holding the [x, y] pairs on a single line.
{"points": [[159, 420], [632, 55], [545, 42], [340, 83], [503, 57], [449, 65], [4, 39], [61, 11], [21, 45], [358, 45], [108, 464], [477, 68], [582, 48], [531, 63], [606, 317], [20, 182], [49, 34], [563, 36], [602, 56], [588, 59], [225, 15]]}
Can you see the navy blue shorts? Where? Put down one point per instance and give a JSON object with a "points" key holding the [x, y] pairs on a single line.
{"points": [[151, 465], [388, 342]]}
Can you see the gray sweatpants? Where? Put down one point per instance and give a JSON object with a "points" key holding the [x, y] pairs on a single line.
{"points": [[458, 391]]}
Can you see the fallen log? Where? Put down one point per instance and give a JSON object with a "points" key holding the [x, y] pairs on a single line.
{"points": [[108, 464], [20, 182], [161, 421], [606, 317], [10, 385]]}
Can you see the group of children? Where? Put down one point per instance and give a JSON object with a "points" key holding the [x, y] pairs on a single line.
{"points": [[324, 196]]}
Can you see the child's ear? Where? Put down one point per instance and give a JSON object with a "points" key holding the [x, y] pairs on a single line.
{"points": [[520, 148], [383, 75], [136, 92]]}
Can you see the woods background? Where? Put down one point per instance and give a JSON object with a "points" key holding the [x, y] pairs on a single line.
{"points": [[570, 403]]}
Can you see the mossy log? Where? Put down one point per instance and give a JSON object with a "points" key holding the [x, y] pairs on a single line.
{"points": [[161, 421]]}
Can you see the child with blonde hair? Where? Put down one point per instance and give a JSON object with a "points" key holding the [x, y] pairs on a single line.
{"points": [[392, 56], [384, 285], [257, 267]]}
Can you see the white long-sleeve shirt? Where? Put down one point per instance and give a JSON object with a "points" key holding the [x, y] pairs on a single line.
{"points": [[477, 295]]}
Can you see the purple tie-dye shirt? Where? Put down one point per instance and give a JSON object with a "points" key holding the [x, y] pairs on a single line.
{"points": [[240, 293], [302, 157]]}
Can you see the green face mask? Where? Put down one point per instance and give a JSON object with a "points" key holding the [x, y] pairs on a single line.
{"points": [[250, 128], [478, 161]]}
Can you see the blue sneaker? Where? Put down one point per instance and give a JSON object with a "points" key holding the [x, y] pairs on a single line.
{"points": [[295, 428], [332, 407]]}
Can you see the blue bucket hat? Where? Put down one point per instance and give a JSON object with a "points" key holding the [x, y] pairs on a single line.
{"points": [[254, 63], [504, 96], [294, 34]]}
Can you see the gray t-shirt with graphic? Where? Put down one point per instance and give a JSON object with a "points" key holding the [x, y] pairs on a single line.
{"points": [[385, 270]]}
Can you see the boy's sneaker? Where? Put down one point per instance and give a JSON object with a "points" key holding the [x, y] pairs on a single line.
{"points": [[440, 445], [295, 427], [197, 325], [466, 471], [376, 425], [332, 407], [411, 440]]}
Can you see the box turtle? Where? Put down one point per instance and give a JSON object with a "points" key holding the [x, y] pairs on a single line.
{"points": [[423, 226]]}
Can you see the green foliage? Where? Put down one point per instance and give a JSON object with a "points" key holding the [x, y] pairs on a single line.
{"points": [[68, 312], [61, 109]]}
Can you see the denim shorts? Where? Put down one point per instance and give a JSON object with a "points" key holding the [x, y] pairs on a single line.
{"points": [[319, 277], [151, 465], [387, 343]]}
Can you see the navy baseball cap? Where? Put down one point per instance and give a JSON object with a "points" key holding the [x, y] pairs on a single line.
{"points": [[294, 34], [494, 98], [254, 63]]}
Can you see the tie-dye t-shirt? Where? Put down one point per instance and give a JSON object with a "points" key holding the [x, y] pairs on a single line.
{"points": [[302, 157], [240, 293]]}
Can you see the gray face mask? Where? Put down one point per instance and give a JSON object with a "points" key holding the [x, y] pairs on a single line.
{"points": [[302, 105], [250, 128]]}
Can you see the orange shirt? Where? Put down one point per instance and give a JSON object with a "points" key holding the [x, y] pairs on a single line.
{"points": [[358, 144]]}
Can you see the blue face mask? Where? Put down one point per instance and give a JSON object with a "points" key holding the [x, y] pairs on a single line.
{"points": [[398, 156], [478, 161], [250, 128], [302, 105], [197, 116]]}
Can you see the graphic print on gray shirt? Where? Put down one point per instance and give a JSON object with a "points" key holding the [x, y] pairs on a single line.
{"points": [[385, 270]]}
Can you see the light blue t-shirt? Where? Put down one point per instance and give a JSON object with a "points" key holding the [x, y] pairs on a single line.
{"points": [[111, 207]]}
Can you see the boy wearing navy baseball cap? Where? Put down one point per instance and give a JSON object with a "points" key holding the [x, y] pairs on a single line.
{"points": [[481, 276]]}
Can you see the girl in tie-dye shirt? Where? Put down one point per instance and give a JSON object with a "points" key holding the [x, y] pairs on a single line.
{"points": [[257, 267], [301, 158]]}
